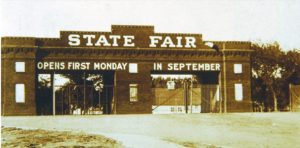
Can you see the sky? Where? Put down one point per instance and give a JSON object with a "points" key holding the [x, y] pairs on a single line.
{"points": [[263, 21]]}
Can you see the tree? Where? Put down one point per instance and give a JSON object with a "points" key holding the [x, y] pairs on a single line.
{"points": [[291, 73], [272, 71], [266, 68]]}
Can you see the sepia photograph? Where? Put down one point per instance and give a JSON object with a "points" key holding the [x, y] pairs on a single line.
{"points": [[150, 73]]}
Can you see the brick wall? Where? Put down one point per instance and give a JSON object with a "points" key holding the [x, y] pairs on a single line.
{"points": [[10, 78], [143, 79], [244, 105]]}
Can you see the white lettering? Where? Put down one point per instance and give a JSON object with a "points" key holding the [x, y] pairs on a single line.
{"points": [[194, 67], [218, 67], [102, 40], [51, 65], [115, 39], [190, 42], [74, 39], [128, 40], [124, 66], [154, 40], [103, 66], [157, 66], [201, 67], [181, 66], [40, 65], [175, 66], [179, 44], [207, 67], [167, 42], [79, 65], [89, 39], [170, 66], [212, 67], [188, 66], [96, 66], [191, 66], [110, 66]]}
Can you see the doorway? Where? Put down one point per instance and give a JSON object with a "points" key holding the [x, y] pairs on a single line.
{"points": [[185, 92], [75, 93]]}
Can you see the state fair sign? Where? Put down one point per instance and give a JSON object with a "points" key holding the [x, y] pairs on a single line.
{"points": [[129, 41]]}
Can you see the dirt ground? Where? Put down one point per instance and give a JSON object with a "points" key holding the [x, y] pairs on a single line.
{"points": [[16, 137], [181, 130]]}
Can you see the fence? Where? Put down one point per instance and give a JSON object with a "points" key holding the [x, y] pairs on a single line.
{"points": [[295, 98], [199, 99], [80, 99]]}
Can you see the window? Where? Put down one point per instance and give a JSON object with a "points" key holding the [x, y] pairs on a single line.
{"points": [[20, 66], [171, 85], [238, 89], [133, 68], [20, 93], [133, 92], [237, 68]]}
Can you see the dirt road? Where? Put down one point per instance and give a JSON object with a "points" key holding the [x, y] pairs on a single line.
{"points": [[192, 130]]}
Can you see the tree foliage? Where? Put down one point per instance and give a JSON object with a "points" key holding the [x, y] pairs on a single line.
{"points": [[272, 72]]}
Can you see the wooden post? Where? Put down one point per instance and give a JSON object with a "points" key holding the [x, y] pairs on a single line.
{"points": [[114, 93], [69, 99], [62, 101], [106, 100], [84, 92], [225, 84], [53, 93], [191, 103], [99, 99], [290, 96], [186, 96], [220, 94]]}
